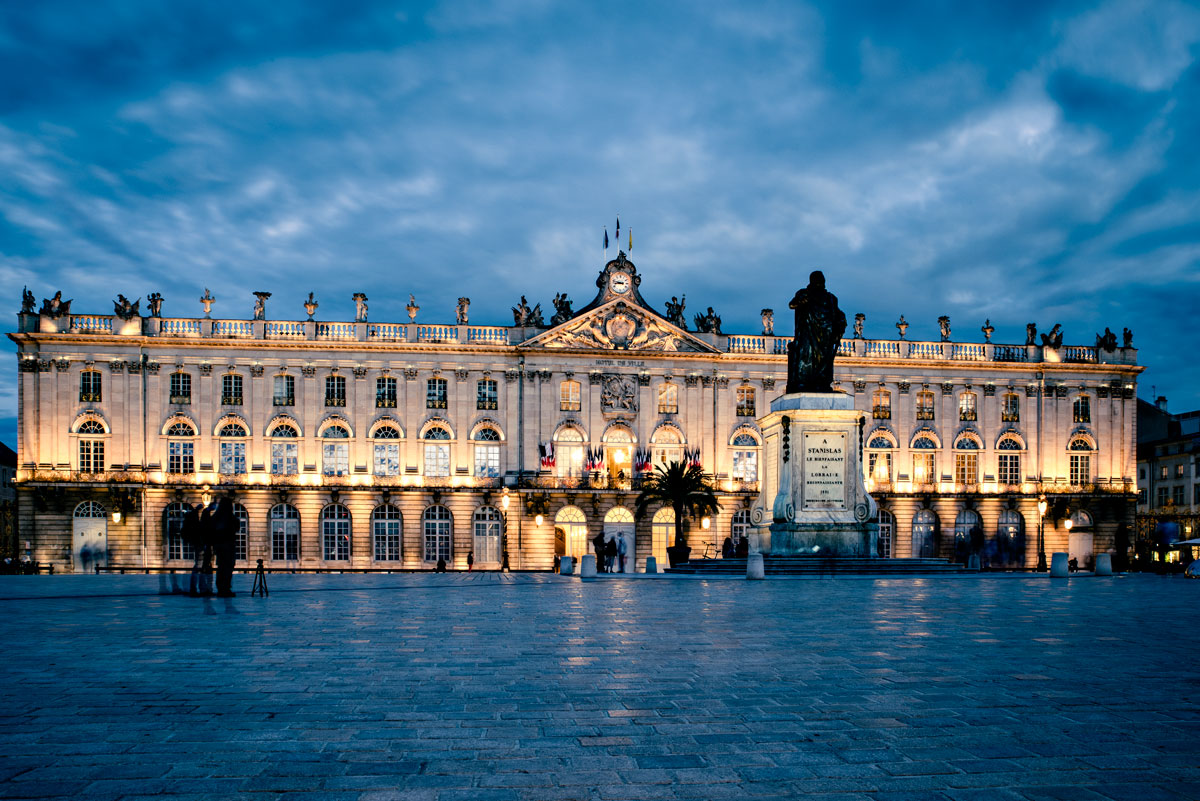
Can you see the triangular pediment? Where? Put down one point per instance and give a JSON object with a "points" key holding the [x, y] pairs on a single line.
{"points": [[619, 325]]}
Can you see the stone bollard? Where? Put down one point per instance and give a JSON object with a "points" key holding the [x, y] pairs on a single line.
{"points": [[1058, 565], [566, 566], [1103, 564], [587, 566], [651, 564], [755, 570]]}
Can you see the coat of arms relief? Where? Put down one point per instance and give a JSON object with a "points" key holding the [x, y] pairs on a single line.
{"points": [[619, 327]]}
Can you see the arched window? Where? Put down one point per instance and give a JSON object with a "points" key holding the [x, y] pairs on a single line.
{"points": [[739, 528], [1010, 539], [181, 387], [968, 535], [967, 408], [181, 452], [285, 533], [386, 450], [335, 533], [177, 547], [1008, 461], [436, 522], [335, 453], [881, 404], [924, 460], [668, 398], [90, 386], [568, 452], [241, 542], [925, 534], [1082, 409], [91, 446], [887, 529], [232, 449], [662, 534], [387, 526], [231, 389], [568, 396], [745, 458], [1079, 452], [437, 453], [879, 461], [89, 509], [285, 454], [574, 527], [487, 454], [966, 460], [486, 524], [667, 446]]}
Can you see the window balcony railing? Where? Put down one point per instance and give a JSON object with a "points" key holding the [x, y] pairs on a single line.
{"points": [[385, 403], [335, 401], [745, 410], [673, 409], [486, 405], [967, 415], [568, 406], [881, 413], [435, 403], [1010, 417], [231, 400], [284, 400], [181, 399], [89, 397], [924, 414]]}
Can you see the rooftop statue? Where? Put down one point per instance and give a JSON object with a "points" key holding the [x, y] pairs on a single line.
{"points": [[709, 322], [155, 301], [859, 319], [525, 316], [944, 327], [675, 308], [1031, 333], [1127, 337], [1107, 340], [55, 306], [462, 310], [124, 309], [360, 307], [28, 302], [562, 309], [819, 328], [768, 321], [1054, 338], [260, 305]]}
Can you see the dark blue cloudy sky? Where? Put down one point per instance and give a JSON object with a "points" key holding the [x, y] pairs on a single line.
{"points": [[1007, 160]]}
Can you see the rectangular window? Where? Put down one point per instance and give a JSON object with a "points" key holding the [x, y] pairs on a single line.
{"points": [[486, 395], [1009, 468], [924, 468], [387, 459], [231, 390], [233, 458], [1161, 495], [335, 458], [335, 390], [284, 459], [435, 393], [1141, 495], [385, 393], [966, 407], [1177, 495], [925, 405], [89, 386], [487, 460], [1163, 471], [879, 466], [1081, 468], [181, 388], [1178, 471], [745, 465], [1010, 411], [285, 391], [568, 396], [91, 455], [1196, 494], [966, 468], [881, 405], [437, 460], [1083, 409], [668, 399], [180, 458], [745, 402]]}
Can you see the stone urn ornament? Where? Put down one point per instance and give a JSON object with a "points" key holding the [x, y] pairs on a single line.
{"points": [[412, 308], [987, 330], [311, 305], [207, 300], [902, 326]]}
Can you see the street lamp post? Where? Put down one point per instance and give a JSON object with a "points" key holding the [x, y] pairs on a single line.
{"points": [[1041, 507]]}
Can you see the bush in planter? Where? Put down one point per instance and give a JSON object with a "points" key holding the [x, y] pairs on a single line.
{"points": [[685, 488]]}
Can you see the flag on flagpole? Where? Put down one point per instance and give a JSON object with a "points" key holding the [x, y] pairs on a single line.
{"points": [[630, 240], [618, 234], [606, 238]]}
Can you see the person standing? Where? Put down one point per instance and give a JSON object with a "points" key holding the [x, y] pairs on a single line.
{"points": [[622, 551], [194, 534], [470, 561], [224, 531]]}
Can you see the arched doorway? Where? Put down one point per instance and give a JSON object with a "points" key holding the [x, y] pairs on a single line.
{"points": [[1010, 539], [1079, 539], [89, 536], [662, 534], [574, 527], [887, 527], [925, 534], [618, 525], [486, 524], [968, 533]]}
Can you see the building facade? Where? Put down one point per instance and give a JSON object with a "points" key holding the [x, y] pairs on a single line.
{"points": [[364, 445], [1168, 480]]}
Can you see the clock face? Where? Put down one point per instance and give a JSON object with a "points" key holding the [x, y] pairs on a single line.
{"points": [[619, 283]]}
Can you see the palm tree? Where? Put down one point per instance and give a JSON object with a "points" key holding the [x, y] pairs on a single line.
{"points": [[683, 487]]}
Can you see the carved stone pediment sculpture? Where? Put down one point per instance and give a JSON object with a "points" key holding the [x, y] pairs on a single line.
{"points": [[620, 326], [618, 395]]}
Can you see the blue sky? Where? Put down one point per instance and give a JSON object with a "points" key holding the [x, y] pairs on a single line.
{"points": [[1012, 161]]}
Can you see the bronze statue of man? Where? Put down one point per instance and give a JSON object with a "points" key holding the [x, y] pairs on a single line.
{"points": [[819, 328]]}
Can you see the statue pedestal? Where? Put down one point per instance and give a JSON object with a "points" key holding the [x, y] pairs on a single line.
{"points": [[814, 500]]}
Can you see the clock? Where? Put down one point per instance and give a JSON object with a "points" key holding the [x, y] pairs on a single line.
{"points": [[619, 283]]}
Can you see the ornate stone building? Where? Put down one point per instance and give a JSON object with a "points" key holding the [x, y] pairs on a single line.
{"points": [[364, 445]]}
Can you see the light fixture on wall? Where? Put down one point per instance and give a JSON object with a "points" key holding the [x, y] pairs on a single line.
{"points": [[505, 500], [705, 522]]}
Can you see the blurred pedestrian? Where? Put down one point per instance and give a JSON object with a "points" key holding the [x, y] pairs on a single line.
{"points": [[193, 532], [224, 539]]}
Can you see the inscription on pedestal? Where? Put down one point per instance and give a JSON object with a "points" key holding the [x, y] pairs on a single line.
{"points": [[824, 484]]}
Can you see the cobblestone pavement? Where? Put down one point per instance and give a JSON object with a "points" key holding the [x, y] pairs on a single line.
{"points": [[483, 687]]}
